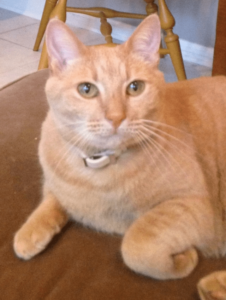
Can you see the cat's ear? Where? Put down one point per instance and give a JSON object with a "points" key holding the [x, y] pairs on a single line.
{"points": [[62, 46], [145, 40]]}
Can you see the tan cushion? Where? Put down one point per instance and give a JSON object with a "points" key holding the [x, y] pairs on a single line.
{"points": [[80, 263]]}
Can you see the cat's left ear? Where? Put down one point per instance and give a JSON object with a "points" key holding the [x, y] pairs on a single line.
{"points": [[63, 46], [145, 41]]}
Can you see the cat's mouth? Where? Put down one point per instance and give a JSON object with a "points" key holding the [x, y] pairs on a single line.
{"points": [[112, 142]]}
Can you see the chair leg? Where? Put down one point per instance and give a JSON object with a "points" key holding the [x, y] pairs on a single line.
{"points": [[49, 6], [105, 28], [43, 62], [171, 39], [59, 12]]}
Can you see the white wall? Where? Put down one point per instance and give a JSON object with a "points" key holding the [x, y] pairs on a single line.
{"points": [[195, 21], [31, 8]]}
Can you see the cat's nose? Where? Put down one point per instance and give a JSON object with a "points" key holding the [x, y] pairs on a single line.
{"points": [[116, 118]]}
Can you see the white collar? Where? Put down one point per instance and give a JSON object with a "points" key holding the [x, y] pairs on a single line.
{"points": [[102, 159]]}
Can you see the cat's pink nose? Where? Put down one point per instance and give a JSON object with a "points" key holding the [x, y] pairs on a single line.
{"points": [[116, 118]]}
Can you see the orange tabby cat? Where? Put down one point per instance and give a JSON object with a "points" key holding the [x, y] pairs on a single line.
{"points": [[124, 152]]}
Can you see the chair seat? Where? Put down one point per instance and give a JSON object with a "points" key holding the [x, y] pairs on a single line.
{"points": [[80, 263]]}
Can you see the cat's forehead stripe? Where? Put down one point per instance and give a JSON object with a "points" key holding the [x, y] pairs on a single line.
{"points": [[109, 64]]}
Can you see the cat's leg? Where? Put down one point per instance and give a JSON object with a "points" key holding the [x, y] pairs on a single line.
{"points": [[35, 234], [213, 286], [161, 243]]}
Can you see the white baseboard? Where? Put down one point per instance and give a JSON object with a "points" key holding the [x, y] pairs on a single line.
{"points": [[191, 52], [197, 54], [28, 8]]}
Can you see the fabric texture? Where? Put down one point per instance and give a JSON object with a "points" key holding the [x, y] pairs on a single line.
{"points": [[79, 263]]}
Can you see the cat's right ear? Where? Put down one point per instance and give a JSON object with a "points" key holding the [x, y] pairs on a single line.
{"points": [[62, 46], [145, 41]]}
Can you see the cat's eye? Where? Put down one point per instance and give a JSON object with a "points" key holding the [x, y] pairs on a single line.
{"points": [[135, 88], [87, 90]]}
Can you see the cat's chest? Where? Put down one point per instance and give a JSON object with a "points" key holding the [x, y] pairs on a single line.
{"points": [[112, 198], [104, 208]]}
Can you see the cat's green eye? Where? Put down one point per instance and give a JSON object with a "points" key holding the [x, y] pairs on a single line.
{"points": [[135, 88], [87, 90]]}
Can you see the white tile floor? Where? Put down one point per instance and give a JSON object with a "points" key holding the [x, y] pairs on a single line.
{"points": [[17, 36]]}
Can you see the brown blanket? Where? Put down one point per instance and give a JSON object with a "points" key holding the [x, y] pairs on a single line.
{"points": [[80, 263]]}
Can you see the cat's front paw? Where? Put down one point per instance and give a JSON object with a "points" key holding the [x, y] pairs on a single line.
{"points": [[213, 286], [159, 265], [185, 262], [33, 238]]}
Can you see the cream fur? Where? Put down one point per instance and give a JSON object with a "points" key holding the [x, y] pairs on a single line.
{"points": [[166, 193]]}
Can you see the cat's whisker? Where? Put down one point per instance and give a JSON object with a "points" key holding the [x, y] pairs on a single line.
{"points": [[144, 146], [172, 143], [154, 128], [168, 135], [178, 150], [168, 158], [144, 143], [67, 125], [157, 123], [84, 144], [171, 160], [72, 143], [178, 147]]}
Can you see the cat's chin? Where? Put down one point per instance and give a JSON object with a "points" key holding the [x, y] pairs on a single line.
{"points": [[113, 144]]}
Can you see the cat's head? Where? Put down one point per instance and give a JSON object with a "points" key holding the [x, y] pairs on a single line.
{"points": [[102, 95]]}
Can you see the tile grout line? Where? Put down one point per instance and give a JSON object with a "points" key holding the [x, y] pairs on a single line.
{"points": [[18, 28], [3, 39], [20, 66]]}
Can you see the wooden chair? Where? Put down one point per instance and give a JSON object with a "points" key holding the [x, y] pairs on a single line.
{"points": [[58, 9], [219, 60]]}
